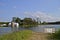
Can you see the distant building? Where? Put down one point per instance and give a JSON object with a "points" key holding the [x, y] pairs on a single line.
{"points": [[13, 24], [9, 24], [3, 25], [49, 30]]}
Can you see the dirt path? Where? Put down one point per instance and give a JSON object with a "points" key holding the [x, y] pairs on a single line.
{"points": [[38, 36]]}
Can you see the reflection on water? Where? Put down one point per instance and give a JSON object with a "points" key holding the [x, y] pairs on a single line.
{"points": [[4, 30], [39, 28]]}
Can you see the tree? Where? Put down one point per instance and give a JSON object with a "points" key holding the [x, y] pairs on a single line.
{"points": [[16, 19], [34, 22], [27, 21]]}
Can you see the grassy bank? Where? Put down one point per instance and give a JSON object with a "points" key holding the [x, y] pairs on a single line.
{"points": [[21, 35], [55, 36]]}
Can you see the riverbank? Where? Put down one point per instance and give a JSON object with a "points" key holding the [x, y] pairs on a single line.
{"points": [[38, 36], [20, 35], [24, 35]]}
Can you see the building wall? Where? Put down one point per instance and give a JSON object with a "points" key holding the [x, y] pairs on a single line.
{"points": [[49, 30]]}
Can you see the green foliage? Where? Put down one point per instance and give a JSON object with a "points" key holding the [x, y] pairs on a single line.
{"points": [[18, 20], [29, 21], [21, 35], [55, 36], [26, 22], [4, 23]]}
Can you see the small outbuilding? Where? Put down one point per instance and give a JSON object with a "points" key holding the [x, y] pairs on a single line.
{"points": [[49, 30], [14, 24]]}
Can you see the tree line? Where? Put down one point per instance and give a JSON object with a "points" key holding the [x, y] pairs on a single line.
{"points": [[25, 21]]}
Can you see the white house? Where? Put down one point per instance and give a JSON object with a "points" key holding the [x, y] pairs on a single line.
{"points": [[14, 24], [49, 30], [9, 24]]}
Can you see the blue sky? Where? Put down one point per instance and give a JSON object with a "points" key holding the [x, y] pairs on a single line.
{"points": [[46, 10]]}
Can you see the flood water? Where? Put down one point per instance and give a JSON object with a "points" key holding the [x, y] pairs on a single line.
{"points": [[39, 28]]}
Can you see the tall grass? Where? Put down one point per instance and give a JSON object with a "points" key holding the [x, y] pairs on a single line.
{"points": [[21, 35]]}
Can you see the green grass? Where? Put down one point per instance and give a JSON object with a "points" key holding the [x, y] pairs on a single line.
{"points": [[21, 35]]}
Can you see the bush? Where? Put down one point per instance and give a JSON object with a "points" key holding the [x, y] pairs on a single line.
{"points": [[55, 36]]}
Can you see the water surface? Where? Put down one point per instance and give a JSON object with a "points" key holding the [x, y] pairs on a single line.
{"points": [[39, 28]]}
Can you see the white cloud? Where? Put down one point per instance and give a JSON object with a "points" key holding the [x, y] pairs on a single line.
{"points": [[43, 16]]}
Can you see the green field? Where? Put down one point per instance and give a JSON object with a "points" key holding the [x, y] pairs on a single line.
{"points": [[20, 35]]}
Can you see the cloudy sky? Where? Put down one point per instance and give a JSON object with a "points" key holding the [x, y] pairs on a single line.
{"points": [[46, 10]]}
